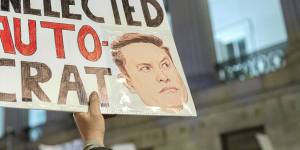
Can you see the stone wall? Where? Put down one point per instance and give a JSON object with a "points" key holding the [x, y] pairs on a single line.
{"points": [[276, 110]]}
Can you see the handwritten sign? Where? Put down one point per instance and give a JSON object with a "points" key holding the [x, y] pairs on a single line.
{"points": [[54, 53]]}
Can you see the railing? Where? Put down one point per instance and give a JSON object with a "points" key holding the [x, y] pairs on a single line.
{"points": [[258, 63]]}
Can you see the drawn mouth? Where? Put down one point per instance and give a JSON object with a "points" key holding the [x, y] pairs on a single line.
{"points": [[168, 89]]}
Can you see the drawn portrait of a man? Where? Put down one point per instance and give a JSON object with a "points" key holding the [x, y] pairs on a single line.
{"points": [[148, 68]]}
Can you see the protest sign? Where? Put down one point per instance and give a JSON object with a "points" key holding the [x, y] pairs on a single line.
{"points": [[54, 53]]}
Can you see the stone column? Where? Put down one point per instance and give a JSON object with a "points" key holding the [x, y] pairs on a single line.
{"points": [[194, 39], [291, 12]]}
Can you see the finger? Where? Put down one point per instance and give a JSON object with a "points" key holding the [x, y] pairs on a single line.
{"points": [[78, 115], [94, 107]]}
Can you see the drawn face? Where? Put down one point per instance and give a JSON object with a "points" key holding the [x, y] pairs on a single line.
{"points": [[153, 76]]}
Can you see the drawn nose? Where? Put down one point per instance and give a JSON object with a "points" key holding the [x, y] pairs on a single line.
{"points": [[162, 77]]}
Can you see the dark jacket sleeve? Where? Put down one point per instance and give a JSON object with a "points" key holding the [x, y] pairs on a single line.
{"points": [[91, 146], [100, 148]]}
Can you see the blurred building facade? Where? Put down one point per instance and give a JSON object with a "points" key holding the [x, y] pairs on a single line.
{"points": [[242, 61], [247, 100]]}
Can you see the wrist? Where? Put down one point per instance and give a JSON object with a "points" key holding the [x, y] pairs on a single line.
{"points": [[94, 142], [94, 138]]}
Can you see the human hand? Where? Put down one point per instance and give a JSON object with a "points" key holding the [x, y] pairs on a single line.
{"points": [[91, 124]]}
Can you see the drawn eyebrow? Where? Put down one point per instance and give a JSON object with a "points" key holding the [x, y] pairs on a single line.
{"points": [[164, 59]]}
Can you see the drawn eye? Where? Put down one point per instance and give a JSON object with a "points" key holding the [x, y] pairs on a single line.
{"points": [[165, 65], [145, 68]]}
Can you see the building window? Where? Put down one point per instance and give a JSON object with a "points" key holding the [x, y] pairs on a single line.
{"points": [[249, 36], [2, 122], [37, 118], [235, 49], [246, 139]]}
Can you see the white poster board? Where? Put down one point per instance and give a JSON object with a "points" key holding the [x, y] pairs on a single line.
{"points": [[53, 53]]}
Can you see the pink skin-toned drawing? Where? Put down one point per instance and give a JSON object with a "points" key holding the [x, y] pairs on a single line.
{"points": [[149, 71]]}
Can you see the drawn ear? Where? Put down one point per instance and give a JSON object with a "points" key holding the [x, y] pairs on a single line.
{"points": [[127, 82]]}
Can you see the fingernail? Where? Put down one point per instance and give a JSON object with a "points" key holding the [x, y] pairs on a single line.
{"points": [[94, 95]]}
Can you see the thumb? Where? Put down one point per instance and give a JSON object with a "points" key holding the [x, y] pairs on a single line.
{"points": [[94, 107]]}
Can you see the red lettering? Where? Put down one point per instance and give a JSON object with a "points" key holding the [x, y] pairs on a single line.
{"points": [[25, 49], [97, 52], [5, 35], [58, 28]]}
